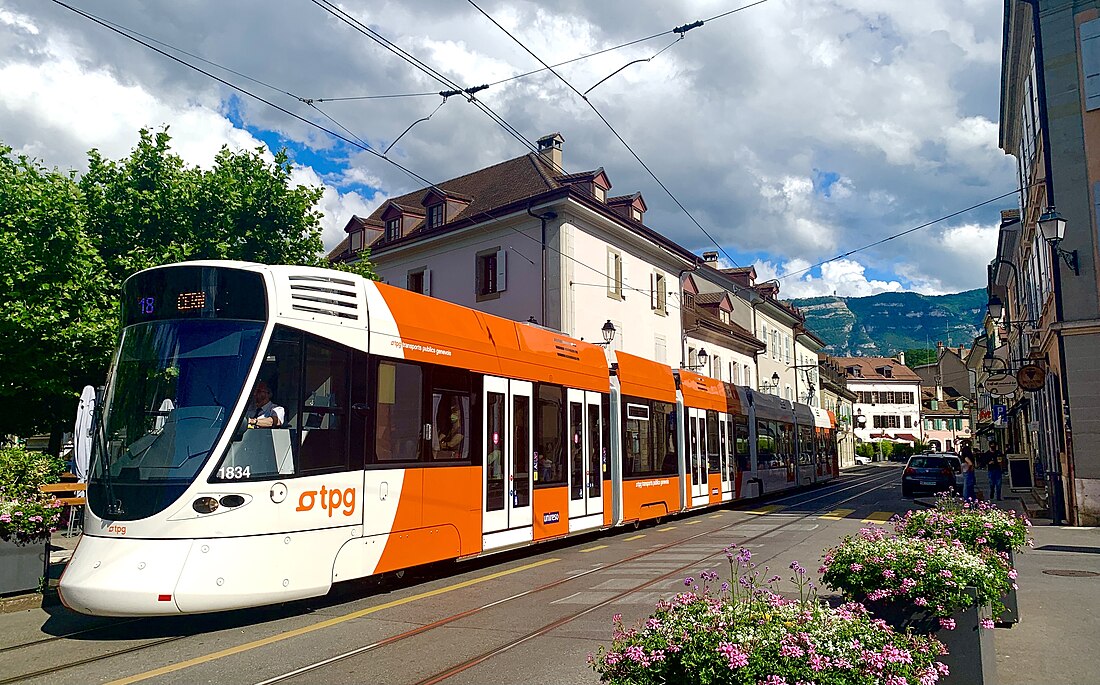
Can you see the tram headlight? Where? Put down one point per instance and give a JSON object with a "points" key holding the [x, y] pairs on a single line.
{"points": [[231, 501], [205, 505]]}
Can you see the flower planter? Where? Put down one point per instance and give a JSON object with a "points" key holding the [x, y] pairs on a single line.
{"points": [[1011, 614], [971, 655], [21, 566]]}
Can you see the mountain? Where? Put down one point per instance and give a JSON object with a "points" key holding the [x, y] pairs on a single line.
{"points": [[884, 324]]}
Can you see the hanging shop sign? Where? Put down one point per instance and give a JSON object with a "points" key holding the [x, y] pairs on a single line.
{"points": [[1001, 385], [1031, 377]]}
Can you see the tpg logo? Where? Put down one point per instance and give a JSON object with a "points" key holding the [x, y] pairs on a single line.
{"points": [[330, 499]]}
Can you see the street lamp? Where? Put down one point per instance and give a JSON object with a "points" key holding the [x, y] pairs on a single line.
{"points": [[701, 357], [608, 331], [774, 385], [996, 307], [1053, 229]]}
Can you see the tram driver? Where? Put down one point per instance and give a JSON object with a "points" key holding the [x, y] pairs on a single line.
{"points": [[264, 413]]}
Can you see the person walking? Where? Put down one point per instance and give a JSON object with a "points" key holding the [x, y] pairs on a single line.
{"points": [[969, 479], [995, 466]]}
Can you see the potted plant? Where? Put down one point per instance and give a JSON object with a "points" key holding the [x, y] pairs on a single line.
{"points": [[929, 585], [744, 631], [27, 517], [982, 528]]}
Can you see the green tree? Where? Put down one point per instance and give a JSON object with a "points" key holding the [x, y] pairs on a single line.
{"points": [[57, 320], [70, 243], [362, 267], [915, 358]]}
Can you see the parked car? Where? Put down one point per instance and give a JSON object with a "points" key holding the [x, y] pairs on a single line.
{"points": [[861, 460], [930, 473]]}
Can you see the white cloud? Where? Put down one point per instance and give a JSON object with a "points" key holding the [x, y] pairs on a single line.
{"points": [[843, 277], [898, 100]]}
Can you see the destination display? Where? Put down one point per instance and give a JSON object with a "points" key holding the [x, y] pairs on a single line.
{"points": [[193, 292]]}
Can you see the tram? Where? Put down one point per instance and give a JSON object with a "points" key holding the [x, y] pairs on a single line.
{"points": [[413, 431]]}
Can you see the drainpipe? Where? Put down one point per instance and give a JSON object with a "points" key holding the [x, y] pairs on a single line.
{"points": [[543, 218]]}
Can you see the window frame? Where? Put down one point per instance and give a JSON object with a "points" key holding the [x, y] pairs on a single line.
{"points": [[490, 283], [615, 274], [393, 229], [436, 215]]}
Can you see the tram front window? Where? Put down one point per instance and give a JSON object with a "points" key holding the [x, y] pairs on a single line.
{"points": [[174, 385]]}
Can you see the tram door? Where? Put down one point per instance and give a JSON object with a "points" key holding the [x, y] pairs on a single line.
{"points": [[697, 455], [586, 460], [725, 439], [507, 453]]}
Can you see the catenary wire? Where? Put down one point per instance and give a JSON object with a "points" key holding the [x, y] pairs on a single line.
{"points": [[354, 140], [358, 143], [612, 128]]}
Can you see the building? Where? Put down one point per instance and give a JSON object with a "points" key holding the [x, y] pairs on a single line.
{"points": [[887, 405], [946, 389], [526, 241], [838, 399], [1050, 122]]}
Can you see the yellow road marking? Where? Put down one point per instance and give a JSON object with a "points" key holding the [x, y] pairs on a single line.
{"points": [[715, 516], [690, 523], [878, 517], [665, 529], [837, 514], [593, 549], [634, 537], [768, 509], [172, 668]]}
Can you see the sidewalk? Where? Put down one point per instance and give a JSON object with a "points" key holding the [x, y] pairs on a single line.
{"points": [[1055, 641]]}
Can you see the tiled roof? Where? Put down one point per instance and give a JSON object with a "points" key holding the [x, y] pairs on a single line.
{"points": [[710, 298], [488, 188], [868, 366]]}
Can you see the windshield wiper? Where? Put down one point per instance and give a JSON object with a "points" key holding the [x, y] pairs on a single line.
{"points": [[114, 505]]}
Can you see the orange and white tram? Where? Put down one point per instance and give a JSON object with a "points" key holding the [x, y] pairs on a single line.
{"points": [[412, 431]]}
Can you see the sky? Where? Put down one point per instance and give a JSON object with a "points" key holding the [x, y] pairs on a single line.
{"points": [[791, 131]]}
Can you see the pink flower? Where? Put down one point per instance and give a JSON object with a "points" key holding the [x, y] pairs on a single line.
{"points": [[987, 624], [735, 656], [947, 623]]}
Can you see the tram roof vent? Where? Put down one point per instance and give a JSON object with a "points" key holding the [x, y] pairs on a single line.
{"points": [[324, 295]]}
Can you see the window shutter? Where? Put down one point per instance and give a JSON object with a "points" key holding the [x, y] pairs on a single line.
{"points": [[502, 271], [427, 281], [619, 275], [1090, 62], [652, 291], [479, 275]]}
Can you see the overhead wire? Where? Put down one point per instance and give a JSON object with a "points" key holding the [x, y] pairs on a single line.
{"points": [[355, 141], [686, 27]]}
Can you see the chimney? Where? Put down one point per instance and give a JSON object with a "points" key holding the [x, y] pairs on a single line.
{"points": [[1009, 217], [710, 258], [939, 348], [550, 148], [901, 358]]}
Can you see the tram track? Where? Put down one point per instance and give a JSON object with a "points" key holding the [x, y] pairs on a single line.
{"points": [[878, 480], [829, 490]]}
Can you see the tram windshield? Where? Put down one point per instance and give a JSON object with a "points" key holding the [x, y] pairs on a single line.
{"points": [[173, 386]]}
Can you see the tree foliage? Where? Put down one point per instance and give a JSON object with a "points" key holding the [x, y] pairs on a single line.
{"points": [[70, 242], [56, 316]]}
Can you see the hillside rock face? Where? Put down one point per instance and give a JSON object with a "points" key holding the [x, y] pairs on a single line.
{"points": [[884, 324]]}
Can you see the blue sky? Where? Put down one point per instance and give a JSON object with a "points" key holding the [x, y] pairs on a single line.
{"points": [[793, 131]]}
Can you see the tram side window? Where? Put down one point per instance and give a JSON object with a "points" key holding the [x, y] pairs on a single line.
{"points": [[451, 414], [637, 439], [714, 453], [325, 408], [664, 426], [766, 444], [741, 443], [260, 453], [549, 432], [786, 444], [398, 415], [805, 445], [731, 449]]}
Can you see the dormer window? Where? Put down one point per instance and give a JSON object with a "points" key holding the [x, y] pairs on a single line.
{"points": [[635, 214], [600, 193], [435, 215], [393, 229], [886, 371], [725, 316], [356, 241]]}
